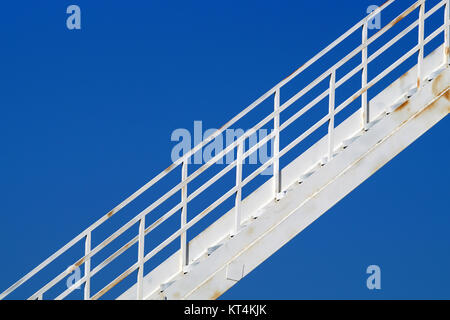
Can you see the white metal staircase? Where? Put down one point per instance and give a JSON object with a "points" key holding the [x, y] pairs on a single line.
{"points": [[297, 194]]}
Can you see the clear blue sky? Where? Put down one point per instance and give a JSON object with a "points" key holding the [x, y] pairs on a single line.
{"points": [[87, 117]]}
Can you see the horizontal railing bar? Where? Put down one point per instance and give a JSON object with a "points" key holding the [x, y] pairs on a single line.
{"points": [[392, 41], [435, 8], [71, 288], [257, 171], [242, 139], [435, 33], [125, 274], [393, 22], [304, 135], [322, 77], [211, 181], [224, 127], [348, 75], [258, 145], [333, 45], [213, 160], [305, 109]]}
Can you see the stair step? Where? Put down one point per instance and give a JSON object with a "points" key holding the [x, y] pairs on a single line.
{"points": [[213, 248], [164, 286], [434, 74]]}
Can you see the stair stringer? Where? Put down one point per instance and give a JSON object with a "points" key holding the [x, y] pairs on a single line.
{"points": [[306, 202], [253, 205]]}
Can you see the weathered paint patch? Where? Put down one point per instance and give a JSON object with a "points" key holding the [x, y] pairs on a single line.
{"points": [[216, 295], [404, 105]]}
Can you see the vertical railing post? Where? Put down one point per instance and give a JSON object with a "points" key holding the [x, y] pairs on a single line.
{"points": [[87, 267], [276, 145], [331, 115], [364, 104], [237, 206], [141, 247], [421, 44], [183, 244], [447, 34]]}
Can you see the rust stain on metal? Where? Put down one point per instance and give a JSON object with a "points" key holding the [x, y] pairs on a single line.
{"points": [[79, 262], [127, 246], [434, 104], [356, 96], [157, 222], [294, 72], [402, 106], [400, 18], [216, 295], [436, 87], [169, 167], [379, 165], [447, 51], [223, 127], [447, 96], [111, 213], [111, 285]]}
